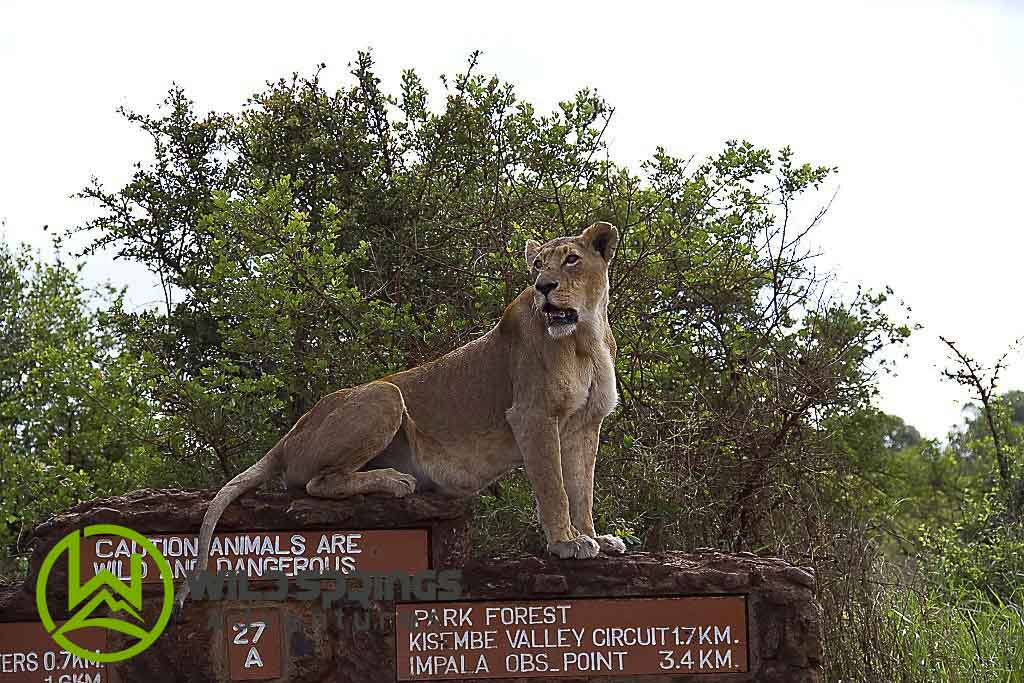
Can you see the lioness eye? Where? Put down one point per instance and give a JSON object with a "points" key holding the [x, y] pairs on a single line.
{"points": [[536, 264], [571, 259]]}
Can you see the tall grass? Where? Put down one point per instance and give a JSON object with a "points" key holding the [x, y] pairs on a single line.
{"points": [[908, 635], [973, 637]]}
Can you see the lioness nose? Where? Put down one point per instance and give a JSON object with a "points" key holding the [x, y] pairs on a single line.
{"points": [[545, 286]]}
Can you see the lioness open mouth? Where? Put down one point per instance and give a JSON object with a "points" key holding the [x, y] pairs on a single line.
{"points": [[560, 316]]}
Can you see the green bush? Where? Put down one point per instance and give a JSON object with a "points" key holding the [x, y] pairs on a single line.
{"points": [[75, 418]]}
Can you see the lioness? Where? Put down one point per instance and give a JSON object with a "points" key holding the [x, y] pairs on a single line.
{"points": [[533, 392]]}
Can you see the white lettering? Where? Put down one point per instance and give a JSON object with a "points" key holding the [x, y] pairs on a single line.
{"points": [[253, 659]]}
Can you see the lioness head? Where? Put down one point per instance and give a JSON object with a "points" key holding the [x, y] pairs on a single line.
{"points": [[570, 277]]}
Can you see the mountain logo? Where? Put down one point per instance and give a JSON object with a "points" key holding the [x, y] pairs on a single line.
{"points": [[119, 603]]}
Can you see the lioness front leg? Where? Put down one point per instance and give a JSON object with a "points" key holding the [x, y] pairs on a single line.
{"points": [[579, 454], [537, 438]]}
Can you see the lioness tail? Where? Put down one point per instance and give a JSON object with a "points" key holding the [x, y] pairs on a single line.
{"points": [[262, 470]]}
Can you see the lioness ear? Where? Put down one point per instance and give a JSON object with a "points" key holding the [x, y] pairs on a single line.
{"points": [[603, 238], [532, 249]]}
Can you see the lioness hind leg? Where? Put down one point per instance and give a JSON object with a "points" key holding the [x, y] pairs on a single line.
{"points": [[348, 430], [341, 484]]}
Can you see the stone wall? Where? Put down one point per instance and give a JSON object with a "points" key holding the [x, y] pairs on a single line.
{"points": [[350, 644]]}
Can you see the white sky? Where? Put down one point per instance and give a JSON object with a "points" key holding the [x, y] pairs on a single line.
{"points": [[919, 104]]}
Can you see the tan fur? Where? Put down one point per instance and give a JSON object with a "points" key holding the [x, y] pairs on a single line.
{"points": [[527, 393]]}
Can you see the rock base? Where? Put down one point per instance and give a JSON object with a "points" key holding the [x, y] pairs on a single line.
{"points": [[314, 643]]}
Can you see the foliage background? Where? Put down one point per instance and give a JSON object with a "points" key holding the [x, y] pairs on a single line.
{"points": [[317, 239]]}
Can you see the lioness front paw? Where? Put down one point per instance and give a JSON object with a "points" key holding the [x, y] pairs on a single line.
{"points": [[611, 544], [580, 548]]}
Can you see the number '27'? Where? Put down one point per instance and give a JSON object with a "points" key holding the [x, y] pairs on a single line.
{"points": [[242, 629]]}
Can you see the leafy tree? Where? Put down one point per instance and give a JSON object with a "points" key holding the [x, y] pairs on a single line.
{"points": [[320, 238], [327, 238], [74, 418], [983, 545]]}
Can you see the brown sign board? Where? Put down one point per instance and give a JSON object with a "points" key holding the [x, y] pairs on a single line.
{"points": [[571, 638], [257, 553], [254, 644], [29, 655]]}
